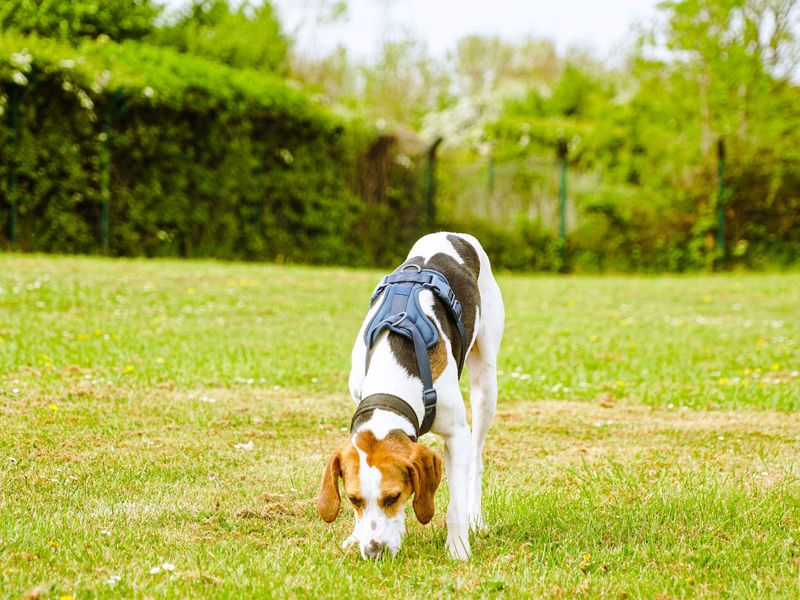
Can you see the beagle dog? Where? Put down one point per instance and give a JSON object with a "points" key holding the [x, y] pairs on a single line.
{"points": [[381, 463]]}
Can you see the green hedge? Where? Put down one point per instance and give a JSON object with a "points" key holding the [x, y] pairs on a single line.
{"points": [[205, 160]]}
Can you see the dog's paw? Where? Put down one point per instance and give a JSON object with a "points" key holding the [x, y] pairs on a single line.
{"points": [[458, 547], [348, 541]]}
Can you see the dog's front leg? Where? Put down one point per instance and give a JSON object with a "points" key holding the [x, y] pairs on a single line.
{"points": [[457, 464]]}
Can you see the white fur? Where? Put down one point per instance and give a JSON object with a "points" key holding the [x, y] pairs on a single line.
{"points": [[463, 450]]}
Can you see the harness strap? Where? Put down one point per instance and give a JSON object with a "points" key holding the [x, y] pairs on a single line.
{"points": [[401, 313], [385, 402]]}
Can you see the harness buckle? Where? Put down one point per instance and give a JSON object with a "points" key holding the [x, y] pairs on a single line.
{"points": [[429, 399]]}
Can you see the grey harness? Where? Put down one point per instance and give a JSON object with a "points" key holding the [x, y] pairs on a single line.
{"points": [[401, 313]]}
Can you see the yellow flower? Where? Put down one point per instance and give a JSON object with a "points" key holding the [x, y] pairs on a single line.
{"points": [[53, 544], [594, 338], [98, 332], [761, 342], [586, 562], [723, 380], [160, 361], [191, 291], [129, 369], [690, 580], [66, 597], [83, 336], [620, 383], [776, 367], [54, 407]]}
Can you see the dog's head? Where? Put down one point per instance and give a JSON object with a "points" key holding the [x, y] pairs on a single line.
{"points": [[380, 476]]}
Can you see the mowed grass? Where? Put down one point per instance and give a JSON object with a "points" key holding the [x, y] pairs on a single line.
{"points": [[164, 425]]}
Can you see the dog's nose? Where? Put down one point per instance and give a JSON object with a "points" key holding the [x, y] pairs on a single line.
{"points": [[374, 548]]}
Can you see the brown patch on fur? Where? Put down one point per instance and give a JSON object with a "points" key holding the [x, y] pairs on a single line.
{"points": [[438, 358], [407, 468]]}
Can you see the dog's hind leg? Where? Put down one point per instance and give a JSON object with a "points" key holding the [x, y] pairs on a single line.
{"points": [[483, 398], [482, 367]]}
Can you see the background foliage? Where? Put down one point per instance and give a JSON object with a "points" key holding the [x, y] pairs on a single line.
{"points": [[224, 141]]}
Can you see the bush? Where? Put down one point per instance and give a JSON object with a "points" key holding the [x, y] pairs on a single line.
{"points": [[205, 160]]}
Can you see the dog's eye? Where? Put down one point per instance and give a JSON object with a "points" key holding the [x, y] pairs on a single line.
{"points": [[357, 502], [389, 500]]}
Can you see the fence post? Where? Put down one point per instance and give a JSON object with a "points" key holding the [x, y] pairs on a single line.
{"points": [[105, 183], [430, 184], [14, 100], [561, 151], [720, 254], [116, 109]]}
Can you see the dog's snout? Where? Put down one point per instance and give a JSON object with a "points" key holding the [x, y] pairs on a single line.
{"points": [[374, 549]]}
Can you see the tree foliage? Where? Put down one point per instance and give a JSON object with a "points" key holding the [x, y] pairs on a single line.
{"points": [[74, 20], [245, 36]]}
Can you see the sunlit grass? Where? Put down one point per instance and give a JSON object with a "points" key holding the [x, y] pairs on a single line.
{"points": [[174, 417]]}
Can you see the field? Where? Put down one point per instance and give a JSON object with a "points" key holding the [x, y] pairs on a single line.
{"points": [[164, 425]]}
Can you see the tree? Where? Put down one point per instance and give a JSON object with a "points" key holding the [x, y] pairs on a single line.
{"points": [[248, 36], [75, 19]]}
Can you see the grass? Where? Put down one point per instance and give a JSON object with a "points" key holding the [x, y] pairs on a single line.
{"points": [[646, 443]]}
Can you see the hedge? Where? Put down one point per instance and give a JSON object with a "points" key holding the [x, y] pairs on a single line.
{"points": [[205, 160]]}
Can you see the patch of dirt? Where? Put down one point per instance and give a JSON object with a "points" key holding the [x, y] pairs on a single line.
{"points": [[275, 506]]}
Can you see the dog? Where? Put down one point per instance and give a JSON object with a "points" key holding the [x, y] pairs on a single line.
{"points": [[456, 317]]}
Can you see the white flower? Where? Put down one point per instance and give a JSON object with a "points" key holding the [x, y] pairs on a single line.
{"points": [[286, 156], [148, 92], [113, 579], [67, 63], [19, 78], [22, 60], [155, 570], [168, 566], [85, 101], [247, 447]]}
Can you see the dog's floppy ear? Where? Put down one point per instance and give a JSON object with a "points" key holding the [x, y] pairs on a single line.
{"points": [[426, 473], [329, 501]]}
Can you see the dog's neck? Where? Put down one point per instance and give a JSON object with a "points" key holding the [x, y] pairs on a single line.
{"points": [[382, 422]]}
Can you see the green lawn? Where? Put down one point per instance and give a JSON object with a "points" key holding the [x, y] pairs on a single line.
{"points": [[647, 441]]}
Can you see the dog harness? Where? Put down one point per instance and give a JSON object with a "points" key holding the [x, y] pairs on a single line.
{"points": [[400, 312]]}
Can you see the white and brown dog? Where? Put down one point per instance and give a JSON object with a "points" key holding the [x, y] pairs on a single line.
{"points": [[381, 463]]}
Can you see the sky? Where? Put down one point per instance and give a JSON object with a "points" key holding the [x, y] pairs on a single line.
{"points": [[601, 26]]}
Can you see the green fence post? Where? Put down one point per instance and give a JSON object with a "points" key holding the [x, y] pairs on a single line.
{"points": [[430, 184], [720, 257], [105, 184], [561, 151], [116, 109], [13, 117]]}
